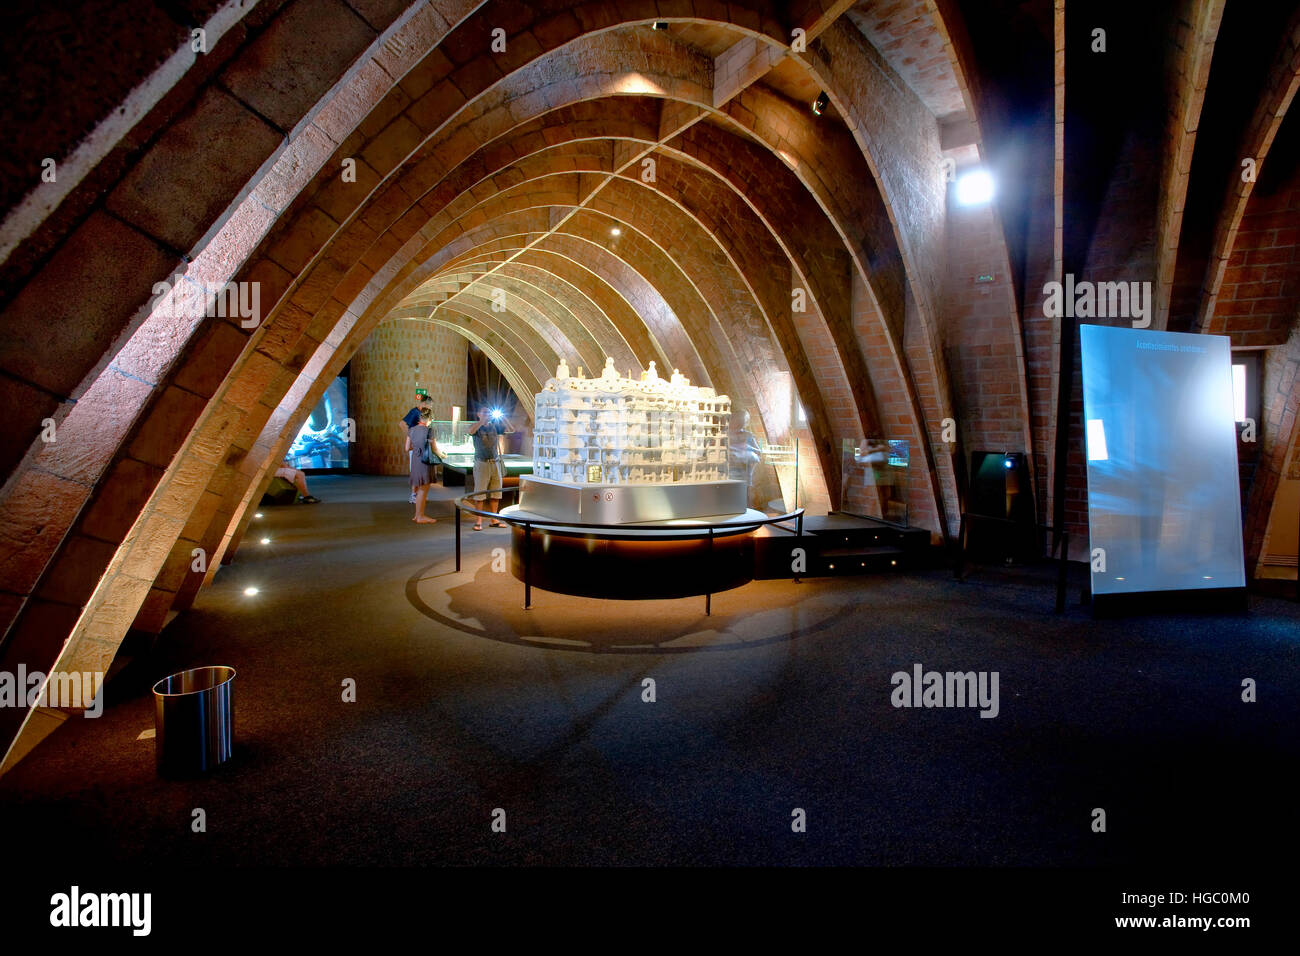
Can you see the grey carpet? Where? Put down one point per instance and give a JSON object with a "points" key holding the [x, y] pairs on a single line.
{"points": [[780, 700]]}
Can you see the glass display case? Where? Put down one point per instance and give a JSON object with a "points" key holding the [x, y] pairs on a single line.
{"points": [[452, 438], [783, 460], [874, 472], [456, 446]]}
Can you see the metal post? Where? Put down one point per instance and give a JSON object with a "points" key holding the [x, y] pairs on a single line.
{"points": [[959, 565], [708, 597], [1060, 572], [798, 523], [528, 563], [456, 505]]}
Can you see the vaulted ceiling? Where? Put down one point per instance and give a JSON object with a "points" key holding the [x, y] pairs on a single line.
{"points": [[637, 179]]}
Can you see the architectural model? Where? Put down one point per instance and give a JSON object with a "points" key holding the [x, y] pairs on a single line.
{"points": [[616, 430]]}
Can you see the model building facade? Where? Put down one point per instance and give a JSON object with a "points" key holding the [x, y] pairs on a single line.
{"points": [[616, 430]]}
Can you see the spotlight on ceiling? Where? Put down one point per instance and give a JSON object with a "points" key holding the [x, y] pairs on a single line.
{"points": [[258, 515], [616, 231], [250, 591], [266, 541], [819, 105], [661, 25], [974, 188]]}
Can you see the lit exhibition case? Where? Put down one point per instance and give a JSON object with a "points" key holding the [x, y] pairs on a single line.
{"points": [[639, 489], [457, 449]]}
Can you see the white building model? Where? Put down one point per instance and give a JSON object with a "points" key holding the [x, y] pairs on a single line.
{"points": [[615, 430]]}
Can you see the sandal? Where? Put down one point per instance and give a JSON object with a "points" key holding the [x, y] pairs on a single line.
{"points": [[477, 527], [310, 500]]}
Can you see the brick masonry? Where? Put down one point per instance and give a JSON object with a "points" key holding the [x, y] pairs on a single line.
{"points": [[477, 173], [384, 373]]}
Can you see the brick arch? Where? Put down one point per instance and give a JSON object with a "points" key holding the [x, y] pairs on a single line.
{"points": [[899, 140], [608, 299], [307, 151], [317, 311], [806, 389], [532, 355], [294, 349], [575, 299], [617, 213]]}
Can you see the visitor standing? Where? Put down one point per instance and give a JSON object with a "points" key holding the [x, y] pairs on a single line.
{"points": [[417, 438], [489, 469], [409, 421]]}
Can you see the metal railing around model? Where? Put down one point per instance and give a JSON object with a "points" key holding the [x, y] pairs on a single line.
{"points": [[674, 532]]}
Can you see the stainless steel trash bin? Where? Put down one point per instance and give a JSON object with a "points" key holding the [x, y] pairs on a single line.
{"points": [[194, 720]]}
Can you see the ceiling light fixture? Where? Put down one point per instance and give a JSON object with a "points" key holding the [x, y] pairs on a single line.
{"points": [[616, 231], [819, 105], [975, 188]]}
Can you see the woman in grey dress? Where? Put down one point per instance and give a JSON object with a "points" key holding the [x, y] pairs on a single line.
{"points": [[416, 439]]}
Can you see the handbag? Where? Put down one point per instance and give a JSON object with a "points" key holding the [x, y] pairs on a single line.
{"points": [[428, 455]]}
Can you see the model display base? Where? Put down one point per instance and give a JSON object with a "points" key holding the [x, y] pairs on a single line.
{"points": [[632, 563], [598, 503]]}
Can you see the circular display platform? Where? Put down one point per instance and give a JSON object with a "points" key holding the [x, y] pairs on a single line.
{"points": [[665, 559]]}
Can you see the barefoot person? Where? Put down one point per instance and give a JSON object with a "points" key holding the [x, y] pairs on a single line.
{"points": [[409, 421], [489, 469], [298, 480], [416, 439]]}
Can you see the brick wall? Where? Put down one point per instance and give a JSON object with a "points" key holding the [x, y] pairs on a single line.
{"points": [[1261, 285], [383, 375]]}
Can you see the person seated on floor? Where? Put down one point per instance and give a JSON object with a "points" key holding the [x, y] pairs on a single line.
{"points": [[299, 481]]}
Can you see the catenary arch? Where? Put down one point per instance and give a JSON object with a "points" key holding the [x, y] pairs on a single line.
{"points": [[285, 358]]}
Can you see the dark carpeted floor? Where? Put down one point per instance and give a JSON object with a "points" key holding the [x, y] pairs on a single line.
{"points": [[780, 700]]}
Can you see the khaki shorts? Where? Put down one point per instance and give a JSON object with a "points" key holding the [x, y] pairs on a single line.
{"points": [[487, 477]]}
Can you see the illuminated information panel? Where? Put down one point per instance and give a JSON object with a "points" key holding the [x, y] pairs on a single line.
{"points": [[1164, 502]]}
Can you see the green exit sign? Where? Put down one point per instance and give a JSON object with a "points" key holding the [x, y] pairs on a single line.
{"points": [[988, 277]]}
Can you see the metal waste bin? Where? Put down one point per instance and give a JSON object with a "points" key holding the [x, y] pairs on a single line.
{"points": [[194, 720]]}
